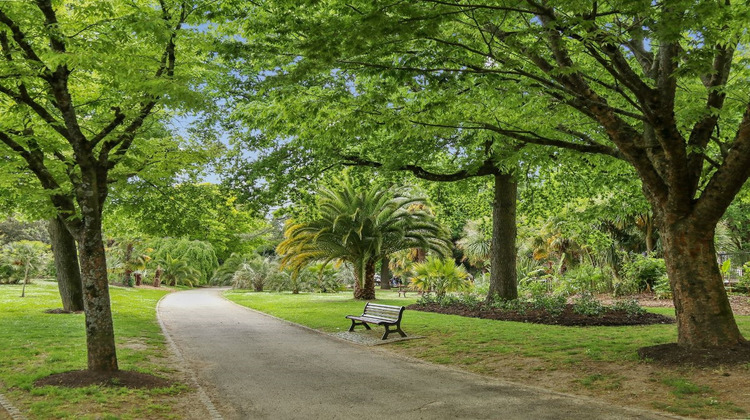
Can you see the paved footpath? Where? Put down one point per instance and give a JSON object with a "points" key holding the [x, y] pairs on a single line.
{"points": [[254, 366]]}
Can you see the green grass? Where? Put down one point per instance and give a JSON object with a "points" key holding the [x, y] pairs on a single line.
{"points": [[592, 360], [36, 344]]}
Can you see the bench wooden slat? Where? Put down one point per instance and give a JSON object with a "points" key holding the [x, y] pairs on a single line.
{"points": [[385, 315]]}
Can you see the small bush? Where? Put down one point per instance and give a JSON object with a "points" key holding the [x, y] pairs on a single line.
{"points": [[583, 278], [640, 274], [662, 290], [586, 304], [552, 304], [629, 306]]}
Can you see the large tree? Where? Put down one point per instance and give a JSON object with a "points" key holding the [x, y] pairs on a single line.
{"points": [[78, 84], [657, 85]]}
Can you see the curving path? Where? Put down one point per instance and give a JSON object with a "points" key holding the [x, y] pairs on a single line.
{"points": [[258, 367]]}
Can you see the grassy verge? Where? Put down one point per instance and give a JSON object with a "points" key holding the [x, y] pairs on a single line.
{"points": [[36, 344], [594, 361]]}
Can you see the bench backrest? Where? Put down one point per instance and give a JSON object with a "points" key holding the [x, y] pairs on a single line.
{"points": [[383, 311]]}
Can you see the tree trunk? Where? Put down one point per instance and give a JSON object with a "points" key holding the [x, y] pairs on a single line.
{"points": [[503, 281], [100, 337], [66, 265], [385, 273], [367, 290], [138, 278], [128, 273], [650, 240], [704, 316], [25, 280], [157, 276]]}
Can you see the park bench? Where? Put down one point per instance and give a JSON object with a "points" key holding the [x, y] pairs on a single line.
{"points": [[385, 315]]}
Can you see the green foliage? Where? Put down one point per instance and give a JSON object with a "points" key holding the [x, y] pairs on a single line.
{"points": [[23, 260], [257, 273], [475, 242], [584, 278], [224, 274], [629, 306], [176, 271], [640, 273], [197, 255], [359, 226], [587, 304], [440, 275], [662, 289], [326, 278], [196, 211], [13, 230]]}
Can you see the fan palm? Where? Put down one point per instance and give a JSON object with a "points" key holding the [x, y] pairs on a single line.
{"points": [[176, 271], [440, 275], [359, 227]]}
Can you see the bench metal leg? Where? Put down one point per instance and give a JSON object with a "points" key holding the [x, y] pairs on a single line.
{"points": [[388, 331], [351, 329]]}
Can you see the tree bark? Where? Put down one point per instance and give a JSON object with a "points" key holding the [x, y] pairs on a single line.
{"points": [[704, 315], [66, 265], [100, 336], [367, 290], [128, 272], [25, 280], [157, 276], [385, 273], [503, 278]]}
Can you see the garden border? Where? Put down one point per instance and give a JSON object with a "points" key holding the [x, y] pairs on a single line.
{"points": [[14, 412]]}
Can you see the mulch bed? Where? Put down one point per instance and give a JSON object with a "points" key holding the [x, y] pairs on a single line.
{"points": [[122, 378], [671, 354], [540, 316]]}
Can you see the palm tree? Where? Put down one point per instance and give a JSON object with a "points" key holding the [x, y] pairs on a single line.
{"points": [[176, 271], [26, 257], [475, 243], [439, 275], [359, 227]]}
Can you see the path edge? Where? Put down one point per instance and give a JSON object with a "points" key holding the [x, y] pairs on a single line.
{"points": [[585, 398], [12, 411], [183, 365]]}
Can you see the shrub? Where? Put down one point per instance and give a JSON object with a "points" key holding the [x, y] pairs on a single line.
{"points": [[440, 275], [586, 304], [257, 273], [640, 274], [23, 260], [662, 290], [582, 278], [552, 304], [326, 278], [629, 306]]}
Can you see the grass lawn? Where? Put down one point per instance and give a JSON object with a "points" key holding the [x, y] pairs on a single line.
{"points": [[594, 361], [36, 344]]}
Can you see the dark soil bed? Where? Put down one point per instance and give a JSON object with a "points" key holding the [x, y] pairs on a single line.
{"points": [[122, 378], [540, 316], [672, 354]]}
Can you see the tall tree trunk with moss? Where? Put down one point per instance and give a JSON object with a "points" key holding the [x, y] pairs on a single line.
{"points": [[66, 265], [503, 277], [100, 336]]}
